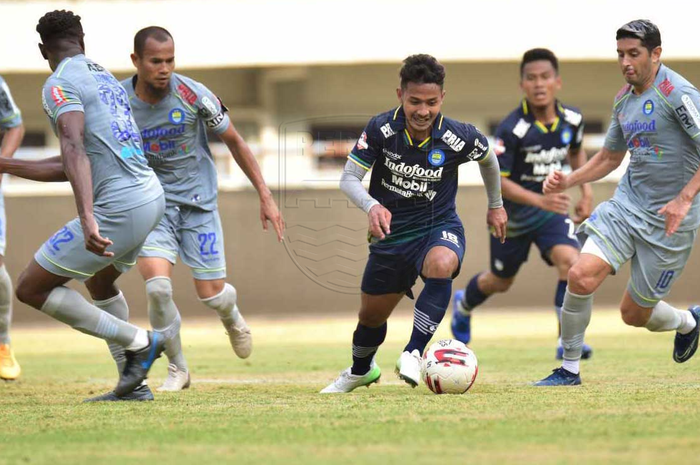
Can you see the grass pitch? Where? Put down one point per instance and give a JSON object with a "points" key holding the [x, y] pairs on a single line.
{"points": [[636, 404]]}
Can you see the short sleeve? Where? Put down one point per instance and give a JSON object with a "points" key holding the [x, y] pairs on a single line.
{"points": [[365, 151], [615, 138], [577, 140], [10, 116], [477, 148], [685, 104], [211, 110], [60, 96], [505, 147]]}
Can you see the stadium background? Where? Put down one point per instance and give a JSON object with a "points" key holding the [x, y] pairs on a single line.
{"points": [[301, 102]]}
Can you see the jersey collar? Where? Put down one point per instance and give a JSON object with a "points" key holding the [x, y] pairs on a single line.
{"points": [[527, 115], [399, 118]]}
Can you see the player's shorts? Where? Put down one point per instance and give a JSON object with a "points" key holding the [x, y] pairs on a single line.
{"points": [[507, 258], [394, 270], [193, 234], [3, 226], [657, 261], [64, 254]]}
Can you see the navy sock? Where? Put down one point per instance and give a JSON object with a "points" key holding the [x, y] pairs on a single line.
{"points": [[559, 297], [429, 311], [473, 297], [365, 342]]}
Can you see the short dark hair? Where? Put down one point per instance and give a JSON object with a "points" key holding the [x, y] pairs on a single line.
{"points": [[641, 29], [151, 32], [539, 54], [59, 24], [422, 69]]}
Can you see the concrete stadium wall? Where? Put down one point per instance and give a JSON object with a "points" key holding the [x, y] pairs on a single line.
{"points": [[318, 270]]}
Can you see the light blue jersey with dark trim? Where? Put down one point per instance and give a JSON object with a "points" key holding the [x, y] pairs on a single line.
{"points": [[10, 116], [661, 130], [121, 177], [174, 133]]}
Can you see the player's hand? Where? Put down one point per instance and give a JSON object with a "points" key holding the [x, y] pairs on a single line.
{"points": [[93, 241], [583, 209], [497, 218], [556, 182], [270, 212], [675, 211], [379, 221], [557, 203]]}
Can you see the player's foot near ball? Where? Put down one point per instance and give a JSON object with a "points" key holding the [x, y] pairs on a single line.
{"points": [[140, 394], [348, 382], [177, 380], [9, 368], [138, 363], [685, 345], [408, 367], [560, 377], [461, 319], [586, 352], [240, 337]]}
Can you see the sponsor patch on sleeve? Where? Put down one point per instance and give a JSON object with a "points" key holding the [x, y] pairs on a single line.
{"points": [[691, 109], [362, 142], [186, 93], [58, 96]]}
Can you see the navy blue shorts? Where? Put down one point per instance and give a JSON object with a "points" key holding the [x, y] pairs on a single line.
{"points": [[393, 270], [507, 258]]}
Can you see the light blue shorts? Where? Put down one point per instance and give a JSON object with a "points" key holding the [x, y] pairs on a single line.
{"points": [[3, 228]]}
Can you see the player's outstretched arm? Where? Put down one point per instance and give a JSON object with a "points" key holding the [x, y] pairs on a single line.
{"points": [[584, 207], [45, 170], [70, 127], [11, 141], [557, 203], [246, 160], [496, 217], [599, 166], [378, 216]]}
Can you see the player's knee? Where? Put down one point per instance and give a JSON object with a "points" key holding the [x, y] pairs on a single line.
{"points": [[24, 290], [632, 317], [371, 319], [501, 284], [159, 290], [580, 282], [442, 266]]}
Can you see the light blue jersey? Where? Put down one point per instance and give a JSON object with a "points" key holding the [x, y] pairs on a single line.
{"points": [[121, 177], [661, 130], [10, 116], [175, 140]]}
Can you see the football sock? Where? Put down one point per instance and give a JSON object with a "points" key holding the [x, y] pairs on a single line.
{"points": [[165, 318], [429, 311], [575, 316], [68, 306], [664, 317], [5, 305], [558, 302], [365, 342], [225, 305], [473, 297], [117, 307]]}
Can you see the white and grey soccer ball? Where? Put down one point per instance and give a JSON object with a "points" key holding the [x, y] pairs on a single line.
{"points": [[449, 367]]}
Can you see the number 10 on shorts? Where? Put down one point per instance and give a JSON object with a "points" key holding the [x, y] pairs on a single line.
{"points": [[664, 280]]}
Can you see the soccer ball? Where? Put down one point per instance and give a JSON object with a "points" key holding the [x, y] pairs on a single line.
{"points": [[449, 367]]}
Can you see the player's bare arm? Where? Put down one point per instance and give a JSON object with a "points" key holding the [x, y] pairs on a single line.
{"points": [[557, 203], [70, 128], [45, 170], [11, 140], [246, 160], [599, 166], [584, 207]]}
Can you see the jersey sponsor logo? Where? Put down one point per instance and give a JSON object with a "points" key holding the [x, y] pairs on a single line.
{"points": [[186, 93], [95, 68], [579, 134], [407, 192], [390, 154], [414, 171], [499, 147], [128, 152], [176, 116], [666, 87], [436, 157], [684, 117], [57, 95], [521, 128], [160, 132], [566, 135], [214, 122], [572, 117], [453, 141], [544, 162], [639, 126], [209, 106], [387, 131], [362, 142], [639, 142], [45, 104], [692, 109], [648, 107]]}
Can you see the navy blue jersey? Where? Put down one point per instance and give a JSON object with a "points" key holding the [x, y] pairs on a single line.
{"points": [[528, 151], [416, 180]]}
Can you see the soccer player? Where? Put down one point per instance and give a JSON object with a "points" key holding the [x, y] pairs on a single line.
{"points": [[174, 113], [652, 218], [538, 137], [415, 230], [12, 132], [118, 198]]}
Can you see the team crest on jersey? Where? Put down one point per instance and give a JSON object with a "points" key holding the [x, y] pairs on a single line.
{"points": [[566, 135], [436, 157], [362, 141], [176, 116], [648, 108], [57, 96]]}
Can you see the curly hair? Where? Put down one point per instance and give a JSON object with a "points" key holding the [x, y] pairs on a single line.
{"points": [[59, 24], [422, 69]]}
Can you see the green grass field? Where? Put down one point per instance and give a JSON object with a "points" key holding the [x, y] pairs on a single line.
{"points": [[636, 404]]}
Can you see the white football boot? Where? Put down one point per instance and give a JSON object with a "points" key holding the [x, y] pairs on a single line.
{"points": [[177, 380], [240, 337], [347, 382], [408, 367]]}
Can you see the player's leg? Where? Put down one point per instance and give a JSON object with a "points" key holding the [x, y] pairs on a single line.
{"points": [[9, 367], [506, 260]]}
